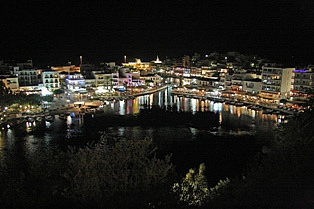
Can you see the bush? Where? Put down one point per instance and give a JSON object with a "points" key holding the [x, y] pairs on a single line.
{"points": [[116, 172], [193, 189]]}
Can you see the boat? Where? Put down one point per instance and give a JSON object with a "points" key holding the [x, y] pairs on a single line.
{"points": [[21, 120], [256, 107], [249, 106], [30, 119], [267, 111], [49, 118], [276, 112], [239, 104], [38, 118], [62, 116]]}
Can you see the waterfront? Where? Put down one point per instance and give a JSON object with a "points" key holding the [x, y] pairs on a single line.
{"points": [[226, 149]]}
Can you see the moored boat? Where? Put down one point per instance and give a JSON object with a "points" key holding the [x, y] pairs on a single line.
{"points": [[62, 116], [267, 111], [38, 118], [239, 104], [49, 118]]}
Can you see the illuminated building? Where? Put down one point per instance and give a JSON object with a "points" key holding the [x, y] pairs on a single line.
{"points": [[276, 83], [67, 69], [10, 82], [104, 80], [157, 61], [51, 80], [28, 77], [303, 82], [152, 80], [75, 82], [253, 86], [138, 64]]}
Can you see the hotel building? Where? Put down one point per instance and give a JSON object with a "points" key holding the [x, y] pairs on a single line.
{"points": [[303, 82], [276, 83], [51, 80]]}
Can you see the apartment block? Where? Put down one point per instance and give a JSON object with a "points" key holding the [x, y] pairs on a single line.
{"points": [[276, 83]]}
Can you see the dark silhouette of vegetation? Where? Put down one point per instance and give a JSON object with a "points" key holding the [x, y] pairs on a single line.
{"points": [[193, 189], [121, 173], [58, 92], [115, 173], [283, 175]]}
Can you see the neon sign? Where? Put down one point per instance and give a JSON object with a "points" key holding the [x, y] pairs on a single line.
{"points": [[300, 71]]}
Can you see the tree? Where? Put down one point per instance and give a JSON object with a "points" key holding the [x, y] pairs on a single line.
{"points": [[116, 172], [193, 190], [58, 92], [282, 176], [108, 82], [4, 91]]}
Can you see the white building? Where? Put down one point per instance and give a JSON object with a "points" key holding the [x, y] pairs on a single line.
{"points": [[75, 82], [104, 80], [303, 82], [51, 80], [276, 83], [253, 86], [153, 79], [28, 77]]}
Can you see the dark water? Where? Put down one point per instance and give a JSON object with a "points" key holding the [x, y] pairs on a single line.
{"points": [[226, 150]]}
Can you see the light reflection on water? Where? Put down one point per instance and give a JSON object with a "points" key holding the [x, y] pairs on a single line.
{"points": [[233, 120]]}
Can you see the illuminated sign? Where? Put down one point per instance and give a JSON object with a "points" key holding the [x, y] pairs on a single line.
{"points": [[300, 71]]}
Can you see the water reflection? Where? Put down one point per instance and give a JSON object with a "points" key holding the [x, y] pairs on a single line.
{"points": [[232, 120]]}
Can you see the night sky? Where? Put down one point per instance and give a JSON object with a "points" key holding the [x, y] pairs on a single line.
{"points": [[54, 32]]}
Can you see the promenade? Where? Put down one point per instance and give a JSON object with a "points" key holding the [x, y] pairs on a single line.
{"points": [[273, 107]]}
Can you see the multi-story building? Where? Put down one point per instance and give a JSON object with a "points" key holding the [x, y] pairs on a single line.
{"points": [[252, 86], [302, 84], [138, 64], [226, 80], [11, 82], [207, 82], [153, 80], [75, 82], [276, 83], [28, 77], [51, 80], [86, 69], [125, 77], [103, 79]]}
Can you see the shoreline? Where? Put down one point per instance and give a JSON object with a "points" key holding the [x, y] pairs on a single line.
{"points": [[245, 103], [150, 91]]}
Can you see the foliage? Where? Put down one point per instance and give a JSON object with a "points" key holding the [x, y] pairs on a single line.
{"points": [[116, 173], [284, 176], [193, 189], [219, 188], [4, 91], [34, 183], [48, 98], [149, 81], [58, 91], [121, 168]]}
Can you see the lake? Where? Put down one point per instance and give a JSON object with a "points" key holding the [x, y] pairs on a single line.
{"points": [[226, 149]]}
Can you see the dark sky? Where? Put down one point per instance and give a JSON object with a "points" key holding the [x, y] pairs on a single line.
{"points": [[53, 32]]}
